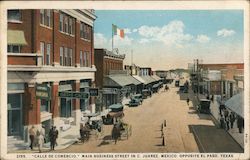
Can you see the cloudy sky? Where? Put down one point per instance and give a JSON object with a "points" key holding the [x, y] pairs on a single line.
{"points": [[171, 39]]}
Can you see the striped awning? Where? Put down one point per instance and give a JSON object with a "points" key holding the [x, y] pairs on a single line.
{"points": [[16, 37]]}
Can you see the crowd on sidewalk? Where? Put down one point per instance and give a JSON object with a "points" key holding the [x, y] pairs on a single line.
{"points": [[227, 119]]}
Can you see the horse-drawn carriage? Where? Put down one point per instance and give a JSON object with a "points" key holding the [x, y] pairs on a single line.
{"points": [[121, 130]]}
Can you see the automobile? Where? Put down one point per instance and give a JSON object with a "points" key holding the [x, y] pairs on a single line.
{"points": [[204, 106], [146, 93], [138, 96], [134, 102]]}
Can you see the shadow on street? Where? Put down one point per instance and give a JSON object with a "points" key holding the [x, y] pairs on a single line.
{"points": [[213, 139]]}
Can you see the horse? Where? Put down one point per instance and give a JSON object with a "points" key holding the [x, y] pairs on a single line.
{"points": [[116, 133]]}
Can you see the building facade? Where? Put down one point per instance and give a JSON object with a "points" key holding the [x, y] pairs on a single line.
{"points": [[50, 53]]}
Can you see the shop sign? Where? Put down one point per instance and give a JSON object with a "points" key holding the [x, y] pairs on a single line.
{"points": [[109, 91], [76, 95], [93, 92], [42, 91]]}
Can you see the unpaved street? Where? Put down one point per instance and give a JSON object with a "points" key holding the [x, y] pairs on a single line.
{"points": [[146, 121]]}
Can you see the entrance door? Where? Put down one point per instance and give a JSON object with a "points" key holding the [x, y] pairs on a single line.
{"points": [[15, 114]]}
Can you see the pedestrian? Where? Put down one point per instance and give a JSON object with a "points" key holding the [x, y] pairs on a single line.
{"points": [[221, 108], [240, 123], [82, 133], [225, 113], [32, 136], [222, 122], [227, 122], [56, 135], [188, 101], [41, 138], [165, 123], [212, 98], [232, 119], [52, 138]]}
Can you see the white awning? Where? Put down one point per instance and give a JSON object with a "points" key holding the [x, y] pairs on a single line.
{"points": [[236, 104]]}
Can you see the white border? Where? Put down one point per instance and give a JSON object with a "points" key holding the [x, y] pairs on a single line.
{"points": [[117, 5]]}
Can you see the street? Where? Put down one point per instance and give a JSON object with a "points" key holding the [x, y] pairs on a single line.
{"points": [[182, 122]]}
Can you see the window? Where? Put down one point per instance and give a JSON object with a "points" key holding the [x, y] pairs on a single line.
{"points": [[81, 60], [65, 56], [70, 57], [66, 24], [70, 26], [45, 105], [61, 22], [14, 49], [42, 12], [48, 54], [14, 15], [61, 56], [85, 31], [81, 30], [42, 46], [48, 18], [85, 59]]}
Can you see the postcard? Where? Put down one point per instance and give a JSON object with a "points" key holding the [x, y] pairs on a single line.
{"points": [[124, 80]]}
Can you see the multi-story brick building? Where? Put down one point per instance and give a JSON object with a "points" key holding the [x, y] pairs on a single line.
{"points": [[53, 50]]}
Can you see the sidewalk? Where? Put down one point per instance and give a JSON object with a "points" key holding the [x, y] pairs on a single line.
{"points": [[65, 140], [234, 132]]}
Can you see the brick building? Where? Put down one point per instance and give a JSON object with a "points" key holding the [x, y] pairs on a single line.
{"points": [[105, 61], [53, 50]]}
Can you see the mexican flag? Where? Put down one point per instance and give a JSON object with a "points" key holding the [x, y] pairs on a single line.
{"points": [[117, 31]]}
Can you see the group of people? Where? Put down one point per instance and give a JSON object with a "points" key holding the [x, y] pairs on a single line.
{"points": [[227, 120], [38, 137]]}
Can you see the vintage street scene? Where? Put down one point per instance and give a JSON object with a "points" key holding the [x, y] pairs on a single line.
{"points": [[125, 81]]}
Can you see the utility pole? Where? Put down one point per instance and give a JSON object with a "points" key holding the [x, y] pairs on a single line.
{"points": [[131, 57]]}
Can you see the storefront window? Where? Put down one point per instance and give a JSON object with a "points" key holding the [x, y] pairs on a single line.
{"points": [[45, 105], [66, 107], [15, 114]]}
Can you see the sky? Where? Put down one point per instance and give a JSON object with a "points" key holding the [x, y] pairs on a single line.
{"points": [[169, 39]]}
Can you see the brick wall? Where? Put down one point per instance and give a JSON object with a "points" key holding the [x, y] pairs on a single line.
{"points": [[36, 33]]}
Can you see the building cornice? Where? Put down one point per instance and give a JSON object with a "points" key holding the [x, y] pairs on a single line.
{"points": [[33, 68]]}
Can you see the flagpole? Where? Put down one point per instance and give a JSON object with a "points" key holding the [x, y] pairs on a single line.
{"points": [[112, 38]]}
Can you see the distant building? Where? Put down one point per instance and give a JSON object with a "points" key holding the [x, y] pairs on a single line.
{"points": [[49, 51]]}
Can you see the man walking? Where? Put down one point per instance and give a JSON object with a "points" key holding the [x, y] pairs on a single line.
{"points": [[52, 138], [32, 136], [232, 119], [40, 138]]}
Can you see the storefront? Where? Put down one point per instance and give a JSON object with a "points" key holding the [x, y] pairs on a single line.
{"points": [[15, 109], [65, 102], [84, 87]]}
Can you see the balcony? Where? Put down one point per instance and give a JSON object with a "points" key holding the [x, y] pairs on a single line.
{"points": [[33, 62]]}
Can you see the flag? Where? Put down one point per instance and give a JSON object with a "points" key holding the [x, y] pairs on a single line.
{"points": [[118, 31]]}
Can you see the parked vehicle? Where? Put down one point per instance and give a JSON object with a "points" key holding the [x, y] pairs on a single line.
{"points": [[138, 96], [183, 89], [204, 106], [146, 93], [134, 102]]}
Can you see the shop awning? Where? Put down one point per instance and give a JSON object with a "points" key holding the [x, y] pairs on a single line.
{"points": [[156, 77], [139, 79], [16, 37], [120, 80], [236, 104]]}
